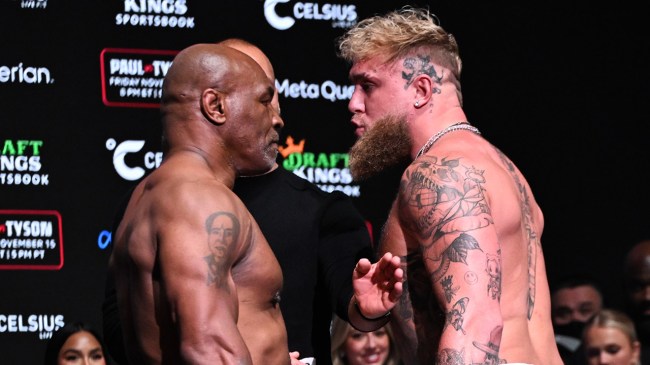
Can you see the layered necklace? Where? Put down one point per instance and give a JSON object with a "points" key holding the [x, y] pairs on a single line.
{"points": [[454, 127]]}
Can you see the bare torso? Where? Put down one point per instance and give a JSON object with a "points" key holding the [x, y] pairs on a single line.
{"points": [[187, 291], [467, 224]]}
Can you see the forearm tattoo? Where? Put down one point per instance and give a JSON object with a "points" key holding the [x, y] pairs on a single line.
{"points": [[223, 230]]}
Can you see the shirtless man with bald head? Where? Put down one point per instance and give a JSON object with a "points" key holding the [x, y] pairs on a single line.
{"points": [[196, 280]]}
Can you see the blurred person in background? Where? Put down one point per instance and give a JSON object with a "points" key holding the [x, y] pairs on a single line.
{"points": [[76, 343], [610, 339], [575, 299], [636, 277], [353, 347]]}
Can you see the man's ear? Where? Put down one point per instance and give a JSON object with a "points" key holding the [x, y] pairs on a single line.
{"points": [[213, 106], [424, 89]]}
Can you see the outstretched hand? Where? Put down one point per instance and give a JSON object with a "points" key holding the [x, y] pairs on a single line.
{"points": [[378, 286]]}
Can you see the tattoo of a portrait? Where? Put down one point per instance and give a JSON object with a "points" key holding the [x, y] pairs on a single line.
{"points": [[448, 288], [493, 269], [223, 232], [449, 356], [455, 316], [421, 64]]}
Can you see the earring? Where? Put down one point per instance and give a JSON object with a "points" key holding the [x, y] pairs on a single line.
{"points": [[417, 103]]}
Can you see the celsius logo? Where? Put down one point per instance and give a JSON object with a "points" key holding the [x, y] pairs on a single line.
{"points": [[342, 16], [25, 75], [43, 324], [151, 160]]}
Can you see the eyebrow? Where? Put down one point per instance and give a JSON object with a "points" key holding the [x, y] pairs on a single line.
{"points": [[356, 77]]}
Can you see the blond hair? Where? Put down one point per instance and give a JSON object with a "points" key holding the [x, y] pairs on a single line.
{"points": [[399, 34], [611, 318]]}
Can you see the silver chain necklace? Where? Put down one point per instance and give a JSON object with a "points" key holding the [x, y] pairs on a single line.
{"points": [[451, 128]]}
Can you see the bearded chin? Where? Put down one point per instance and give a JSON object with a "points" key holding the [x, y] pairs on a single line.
{"points": [[386, 144]]}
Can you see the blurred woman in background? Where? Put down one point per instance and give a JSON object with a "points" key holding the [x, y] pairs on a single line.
{"points": [[609, 338], [353, 347], [76, 343]]}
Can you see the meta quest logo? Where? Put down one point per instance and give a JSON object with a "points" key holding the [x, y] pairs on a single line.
{"points": [[31, 240]]}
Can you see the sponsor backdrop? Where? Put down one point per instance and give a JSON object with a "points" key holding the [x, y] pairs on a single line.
{"points": [[560, 89]]}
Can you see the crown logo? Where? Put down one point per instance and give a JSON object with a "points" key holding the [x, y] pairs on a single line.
{"points": [[291, 147]]}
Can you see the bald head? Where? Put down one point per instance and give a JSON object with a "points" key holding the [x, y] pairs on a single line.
{"points": [[256, 54], [204, 66], [253, 52], [218, 100], [638, 258]]}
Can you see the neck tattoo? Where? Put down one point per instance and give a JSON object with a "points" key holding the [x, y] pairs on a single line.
{"points": [[454, 127]]}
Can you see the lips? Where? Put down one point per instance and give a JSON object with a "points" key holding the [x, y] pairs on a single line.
{"points": [[372, 358]]}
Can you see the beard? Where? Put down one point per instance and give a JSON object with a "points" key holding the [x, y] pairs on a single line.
{"points": [[386, 144]]}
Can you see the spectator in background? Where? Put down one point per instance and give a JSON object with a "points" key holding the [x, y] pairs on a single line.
{"points": [[575, 299], [76, 343], [353, 347], [636, 274], [609, 338]]}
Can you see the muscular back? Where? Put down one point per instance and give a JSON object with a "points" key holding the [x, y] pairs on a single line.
{"points": [[467, 223], [193, 273]]}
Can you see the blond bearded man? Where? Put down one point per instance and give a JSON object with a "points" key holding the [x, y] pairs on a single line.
{"points": [[465, 221]]}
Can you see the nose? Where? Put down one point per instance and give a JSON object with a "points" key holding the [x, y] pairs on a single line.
{"points": [[371, 341], [278, 122], [355, 105], [603, 359]]}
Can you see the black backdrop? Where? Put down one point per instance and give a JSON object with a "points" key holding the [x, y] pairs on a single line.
{"points": [[561, 88]]}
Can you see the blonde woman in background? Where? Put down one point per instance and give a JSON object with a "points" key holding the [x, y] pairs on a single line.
{"points": [[609, 338], [353, 347]]}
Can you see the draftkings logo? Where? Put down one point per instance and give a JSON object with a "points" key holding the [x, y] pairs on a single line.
{"points": [[31, 240], [155, 14], [20, 163], [329, 171], [340, 15], [133, 77]]}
